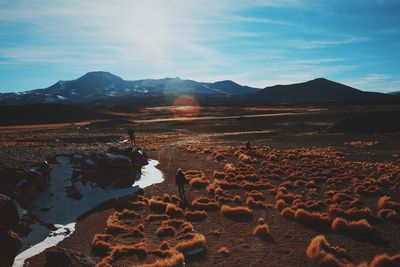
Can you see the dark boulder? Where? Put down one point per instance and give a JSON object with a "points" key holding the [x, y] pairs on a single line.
{"points": [[9, 217], [9, 247]]}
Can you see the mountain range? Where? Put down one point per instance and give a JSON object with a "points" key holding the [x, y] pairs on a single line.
{"points": [[107, 88]]}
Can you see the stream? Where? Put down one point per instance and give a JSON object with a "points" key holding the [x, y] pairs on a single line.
{"points": [[54, 206]]}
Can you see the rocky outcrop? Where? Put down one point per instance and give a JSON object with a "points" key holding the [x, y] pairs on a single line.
{"points": [[9, 241], [61, 257], [119, 167], [24, 184]]}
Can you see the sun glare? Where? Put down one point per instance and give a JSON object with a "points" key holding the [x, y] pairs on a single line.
{"points": [[185, 107]]}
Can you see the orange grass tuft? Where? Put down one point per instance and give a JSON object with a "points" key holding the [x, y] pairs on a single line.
{"points": [[240, 214], [324, 254]]}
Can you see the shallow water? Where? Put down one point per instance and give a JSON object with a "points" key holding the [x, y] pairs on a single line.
{"points": [[53, 205]]}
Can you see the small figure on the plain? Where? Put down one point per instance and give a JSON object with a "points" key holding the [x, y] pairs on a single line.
{"points": [[180, 181], [248, 146], [131, 134]]}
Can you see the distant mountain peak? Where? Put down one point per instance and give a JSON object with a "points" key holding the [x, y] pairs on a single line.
{"points": [[98, 75]]}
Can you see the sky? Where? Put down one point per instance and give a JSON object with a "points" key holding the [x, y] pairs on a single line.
{"points": [[253, 42]]}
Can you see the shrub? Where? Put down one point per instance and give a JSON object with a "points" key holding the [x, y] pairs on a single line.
{"points": [[219, 175], [157, 205], [229, 167], [198, 215], [164, 231], [288, 213], [224, 251], [280, 204], [262, 231], [239, 214], [157, 217], [174, 211], [316, 220], [197, 241], [324, 254], [164, 245], [385, 260], [360, 229], [389, 214], [353, 213], [251, 202], [137, 205], [204, 203], [170, 258], [200, 182], [128, 214], [101, 244], [386, 203]]}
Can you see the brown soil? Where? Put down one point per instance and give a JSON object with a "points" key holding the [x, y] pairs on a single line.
{"points": [[170, 143]]}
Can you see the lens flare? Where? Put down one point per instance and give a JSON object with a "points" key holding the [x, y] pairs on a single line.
{"points": [[185, 107]]}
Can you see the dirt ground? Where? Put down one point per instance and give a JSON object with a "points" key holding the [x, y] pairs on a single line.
{"points": [[294, 144]]}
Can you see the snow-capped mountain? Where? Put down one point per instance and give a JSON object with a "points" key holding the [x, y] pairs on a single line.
{"points": [[102, 85]]}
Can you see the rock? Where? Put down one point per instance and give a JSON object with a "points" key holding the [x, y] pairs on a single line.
{"points": [[136, 154], [61, 257], [119, 167], [9, 247], [9, 216]]}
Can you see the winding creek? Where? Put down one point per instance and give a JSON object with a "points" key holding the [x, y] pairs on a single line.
{"points": [[54, 206]]}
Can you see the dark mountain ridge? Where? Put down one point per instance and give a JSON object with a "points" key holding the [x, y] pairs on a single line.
{"points": [[109, 89]]}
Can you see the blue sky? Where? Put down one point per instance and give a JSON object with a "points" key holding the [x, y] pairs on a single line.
{"points": [[253, 42]]}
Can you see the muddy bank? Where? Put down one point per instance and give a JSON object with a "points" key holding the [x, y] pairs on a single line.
{"points": [[50, 197]]}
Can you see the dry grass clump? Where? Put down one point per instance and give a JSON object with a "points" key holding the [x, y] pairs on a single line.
{"points": [[385, 260], [218, 175], [127, 214], [137, 231], [204, 203], [288, 213], [352, 214], [231, 199], [200, 182], [385, 202], [246, 158], [197, 241], [157, 205], [257, 185], [229, 167], [316, 220], [157, 217], [113, 224], [280, 204], [219, 156], [228, 185], [257, 195], [197, 179], [262, 231], [119, 251], [239, 214], [251, 202], [101, 244], [289, 197], [164, 245], [196, 215], [164, 231], [359, 229], [224, 251], [389, 214], [340, 197], [174, 211], [136, 205], [324, 254], [170, 258]]}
